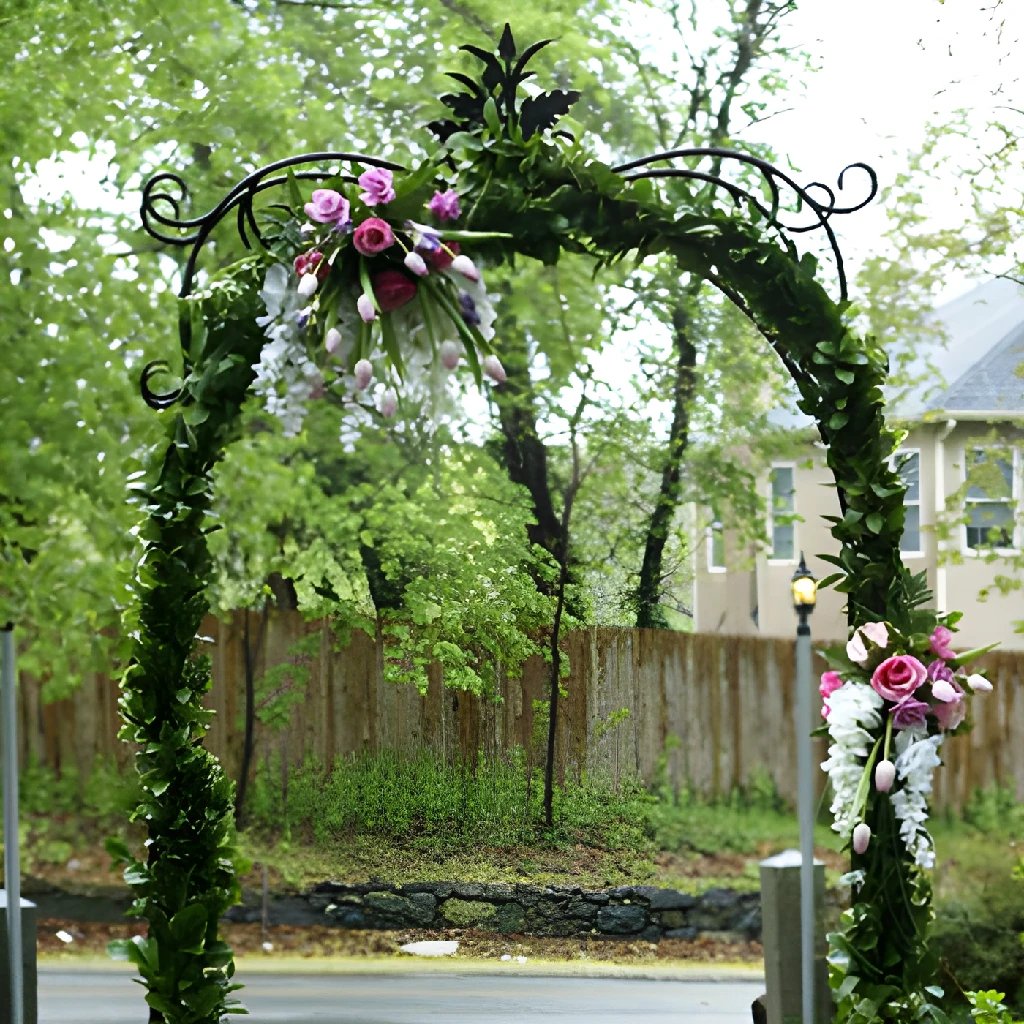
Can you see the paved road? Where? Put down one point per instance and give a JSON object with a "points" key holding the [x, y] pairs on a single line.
{"points": [[83, 997]]}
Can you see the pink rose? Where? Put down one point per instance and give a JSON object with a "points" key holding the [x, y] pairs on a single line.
{"points": [[445, 205], [898, 677], [909, 712], [378, 186], [328, 207], [392, 289], [373, 236], [938, 644], [830, 682]]}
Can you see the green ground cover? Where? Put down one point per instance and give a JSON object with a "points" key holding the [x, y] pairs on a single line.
{"points": [[400, 819]]}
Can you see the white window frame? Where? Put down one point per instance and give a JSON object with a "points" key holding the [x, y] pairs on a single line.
{"points": [[1013, 500], [790, 559], [714, 534], [894, 461]]}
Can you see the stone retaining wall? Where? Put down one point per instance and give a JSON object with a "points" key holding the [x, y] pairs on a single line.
{"points": [[632, 911]]}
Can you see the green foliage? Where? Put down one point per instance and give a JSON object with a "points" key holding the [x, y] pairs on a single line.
{"points": [[418, 798]]}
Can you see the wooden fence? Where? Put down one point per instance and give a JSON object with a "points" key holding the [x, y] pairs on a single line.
{"points": [[705, 712]]}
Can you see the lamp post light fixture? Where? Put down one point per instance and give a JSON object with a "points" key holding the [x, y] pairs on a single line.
{"points": [[805, 595]]}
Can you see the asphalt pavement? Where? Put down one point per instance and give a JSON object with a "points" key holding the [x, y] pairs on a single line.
{"points": [[419, 996]]}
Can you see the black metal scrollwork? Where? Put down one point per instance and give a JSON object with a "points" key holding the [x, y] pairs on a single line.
{"points": [[773, 179]]}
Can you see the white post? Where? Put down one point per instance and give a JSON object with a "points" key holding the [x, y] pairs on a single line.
{"points": [[805, 810], [12, 867]]}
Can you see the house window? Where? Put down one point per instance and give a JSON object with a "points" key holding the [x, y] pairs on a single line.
{"points": [[990, 500], [907, 465], [716, 547], [781, 514]]}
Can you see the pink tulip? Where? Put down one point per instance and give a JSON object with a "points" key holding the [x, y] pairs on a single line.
{"points": [[450, 353], [464, 266], [861, 837], [363, 373], [885, 775], [416, 263], [366, 308], [492, 367], [388, 404]]}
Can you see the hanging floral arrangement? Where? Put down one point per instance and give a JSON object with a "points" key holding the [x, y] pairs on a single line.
{"points": [[889, 701], [367, 286]]}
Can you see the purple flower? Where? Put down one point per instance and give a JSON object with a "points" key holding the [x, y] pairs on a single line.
{"points": [[332, 340], [468, 309], [328, 207], [377, 185], [445, 205], [909, 712], [939, 670]]}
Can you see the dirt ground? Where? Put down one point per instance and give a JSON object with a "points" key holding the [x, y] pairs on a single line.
{"points": [[67, 939]]}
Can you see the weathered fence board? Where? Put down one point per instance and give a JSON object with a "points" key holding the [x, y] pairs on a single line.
{"points": [[702, 712]]}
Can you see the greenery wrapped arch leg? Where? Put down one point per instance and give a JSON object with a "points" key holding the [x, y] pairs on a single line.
{"points": [[344, 283]]}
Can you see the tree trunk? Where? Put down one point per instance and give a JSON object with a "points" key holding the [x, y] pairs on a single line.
{"points": [[648, 591]]}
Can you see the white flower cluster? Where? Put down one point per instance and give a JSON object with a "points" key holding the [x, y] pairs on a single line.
{"points": [[286, 378], [853, 710], [917, 757]]}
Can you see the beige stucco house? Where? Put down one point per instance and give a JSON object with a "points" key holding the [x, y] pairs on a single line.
{"points": [[962, 460]]}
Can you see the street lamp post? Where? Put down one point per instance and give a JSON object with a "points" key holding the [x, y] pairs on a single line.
{"points": [[805, 592]]}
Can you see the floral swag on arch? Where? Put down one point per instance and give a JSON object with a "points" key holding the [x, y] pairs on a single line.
{"points": [[357, 290]]}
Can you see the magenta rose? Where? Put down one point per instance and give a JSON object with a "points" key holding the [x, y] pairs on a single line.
{"points": [[445, 205], [328, 207], [373, 236], [378, 186], [392, 289], [898, 677], [938, 643], [909, 712]]}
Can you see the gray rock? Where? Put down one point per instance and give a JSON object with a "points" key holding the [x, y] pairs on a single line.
{"points": [[682, 933], [389, 910], [621, 920]]}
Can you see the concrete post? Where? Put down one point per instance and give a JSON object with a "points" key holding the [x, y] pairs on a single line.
{"points": [[780, 935], [27, 978]]}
